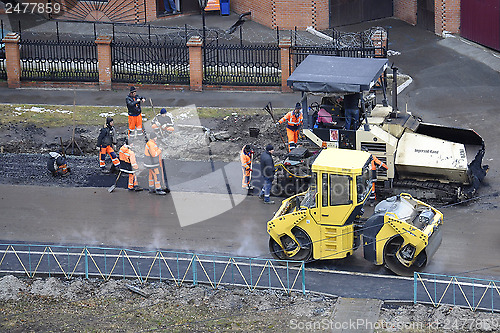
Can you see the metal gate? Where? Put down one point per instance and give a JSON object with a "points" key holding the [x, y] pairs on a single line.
{"points": [[343, 12], [371, 43], [480, 22], [425, 14], [59, 60], [241, 65], [164, 63]]}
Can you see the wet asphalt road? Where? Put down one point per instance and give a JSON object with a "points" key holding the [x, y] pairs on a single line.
{"points": [[449, 87]]}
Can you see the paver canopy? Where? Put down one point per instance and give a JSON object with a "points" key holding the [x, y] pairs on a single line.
{"points": [[331, 74]]}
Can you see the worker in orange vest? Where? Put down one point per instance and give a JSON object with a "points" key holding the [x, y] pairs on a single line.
{"points": [[154, 164], [105, 143], [128, 164], [246, 157], [294, 122], [134, 112], [374, 162], [57, 165]]}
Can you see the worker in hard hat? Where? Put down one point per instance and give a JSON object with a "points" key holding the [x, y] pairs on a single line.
{"points": [[57, 165], [134, 112], [154, 164], [294, 122], [246, 158], [162, 124], [374, 163], [105, 143], [128, 164]]}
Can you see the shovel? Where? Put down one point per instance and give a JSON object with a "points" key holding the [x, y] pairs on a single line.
{"points": [[269, 109], [152, 108], [112, 188], [250, 187]]}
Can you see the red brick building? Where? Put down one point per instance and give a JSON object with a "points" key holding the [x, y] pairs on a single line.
{"points": [[321, 14], [477, 20]]}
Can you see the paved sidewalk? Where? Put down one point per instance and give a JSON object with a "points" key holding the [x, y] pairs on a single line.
{"points": [[358, 315], [413, 44], [168, 98]]}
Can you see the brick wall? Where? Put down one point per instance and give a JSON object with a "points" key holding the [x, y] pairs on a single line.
{"points": [[261, 10], [447, 16], [104, 64], [286, 14], [406, 10], [151, 13], [128, 11], [195, 63], [322, 14], [12, 60]]}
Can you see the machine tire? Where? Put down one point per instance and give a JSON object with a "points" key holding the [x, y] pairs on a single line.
{"points": [[392, 262], [304, 254]]}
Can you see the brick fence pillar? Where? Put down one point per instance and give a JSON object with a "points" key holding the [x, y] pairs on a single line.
{"points": [[104, 62], [286, 63], [195, 63], [379, 39], [13, 60]]}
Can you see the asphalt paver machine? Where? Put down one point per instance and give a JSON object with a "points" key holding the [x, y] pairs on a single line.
{"points": [[428, 161]]}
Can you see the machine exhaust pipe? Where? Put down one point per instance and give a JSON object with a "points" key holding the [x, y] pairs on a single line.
{"points": [[394, 91]]}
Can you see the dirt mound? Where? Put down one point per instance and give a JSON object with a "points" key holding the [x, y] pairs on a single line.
{"points": [[10, 287], [82, 305]]}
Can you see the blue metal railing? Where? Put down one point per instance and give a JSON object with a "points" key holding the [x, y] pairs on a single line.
{"points": [[179, 267], [460, 291]]}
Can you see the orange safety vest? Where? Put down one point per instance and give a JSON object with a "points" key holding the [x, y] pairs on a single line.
{"points": [[127, 155], [152, 150], [245, 160], [293, 121]]}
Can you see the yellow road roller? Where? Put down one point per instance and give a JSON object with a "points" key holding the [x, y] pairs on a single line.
{"points": [[326, 221]]}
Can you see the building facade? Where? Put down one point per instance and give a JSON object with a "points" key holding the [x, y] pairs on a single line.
{"points": [[477, 20]]}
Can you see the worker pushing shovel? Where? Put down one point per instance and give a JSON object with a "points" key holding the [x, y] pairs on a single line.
{"points": [[154, 164], [112, 187]]}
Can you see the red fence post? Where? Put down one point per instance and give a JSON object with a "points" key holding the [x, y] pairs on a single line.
{"points": [[286, 63], [104, 62], [195, 63], [13, 60]]}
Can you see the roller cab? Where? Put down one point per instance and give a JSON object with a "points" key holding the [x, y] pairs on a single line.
{"points": [[321, 222]]}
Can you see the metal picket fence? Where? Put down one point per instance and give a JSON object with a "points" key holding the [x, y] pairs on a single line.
{"points": [[3, 70], [59, 60], [178, 267], [150, 63], [467, 292], [237, 64]]}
